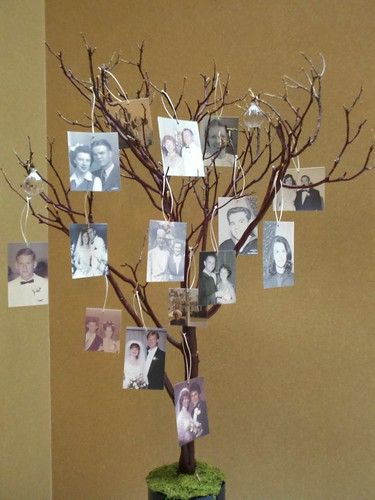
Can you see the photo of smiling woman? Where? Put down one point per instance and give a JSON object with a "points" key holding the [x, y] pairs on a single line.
{"points": [[82, 179], [278, 254]]}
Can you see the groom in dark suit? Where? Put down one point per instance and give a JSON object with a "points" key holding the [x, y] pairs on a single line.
{"points": [[107, 171], [199, 410], [207, 281], [308, 198], [155, 360]]}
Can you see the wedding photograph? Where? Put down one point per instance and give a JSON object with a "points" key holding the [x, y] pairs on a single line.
{"points": [[102, 330], [191, 410], [27, 274], [278, 254], [305, 198], [144, 358], [136, 114], [234, 216], [219, 135], [166, 251], [217, 278], [94, 161], [88, 250], [181, 150]]}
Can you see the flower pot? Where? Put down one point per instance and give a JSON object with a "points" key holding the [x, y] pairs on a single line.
{"points": [[154, 495]]}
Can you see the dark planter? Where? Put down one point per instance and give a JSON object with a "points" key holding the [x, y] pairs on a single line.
{"points": [[154, 495]]}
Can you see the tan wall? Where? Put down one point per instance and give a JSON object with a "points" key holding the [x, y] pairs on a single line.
{"points": [[289, 373], [25, 456]]}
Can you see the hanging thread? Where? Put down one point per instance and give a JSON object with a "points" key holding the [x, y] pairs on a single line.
{"points": [[280, 191], [118, 84], [188, 361], [191, 261], [86, 209], [218, 84], [23, 219], [106, 293], [166, 182], [136, 296], [235, 168], [212, 231], [296, 159], [165, 94], [93, 101]]}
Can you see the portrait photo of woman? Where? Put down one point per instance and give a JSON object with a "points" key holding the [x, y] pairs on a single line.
{"points": [[82, 179], [172, 159], [226, 291], [134, 365], [111, 342], [278, 264]]}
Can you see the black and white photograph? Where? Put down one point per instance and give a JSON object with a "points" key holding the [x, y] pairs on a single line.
{"points": [[278, 254], [94, 161], [88, 250], [102, 330], [219, 135], [166, 251], [183, 308], [181, 149], [27, 274], [234, 216], [306, 198], [191, 410], [144, 358], [136, 114], [217, 278], [196, 314]]}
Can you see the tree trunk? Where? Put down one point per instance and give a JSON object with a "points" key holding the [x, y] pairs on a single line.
{"points": [[187, 463]]}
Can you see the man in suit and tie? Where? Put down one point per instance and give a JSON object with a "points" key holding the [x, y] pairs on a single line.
{"points": [[199, 410], [107, 171], [155, 360], [208, 293], [308, 198], [176, 262]]}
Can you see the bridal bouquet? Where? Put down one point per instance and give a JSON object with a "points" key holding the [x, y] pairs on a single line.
{"points": [[137, 383]]}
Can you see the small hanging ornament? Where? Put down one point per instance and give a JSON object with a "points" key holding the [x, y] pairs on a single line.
{"points": [[33, 183], [254, 116]]}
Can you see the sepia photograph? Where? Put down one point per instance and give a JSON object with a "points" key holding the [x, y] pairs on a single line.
{"points": [[88, 250], [306, 198], [234, 216], [136, 114], [102, 330], [219, 135], [166, 251], [181, 150], [196, 314], [278, 254], [144, 358], [94, 161], [217, 278], [178, 306], [191, 410], [27, 274]]}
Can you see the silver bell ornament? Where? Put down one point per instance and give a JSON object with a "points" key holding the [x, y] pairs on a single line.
{"points": [[33, 183], [253, 116]]}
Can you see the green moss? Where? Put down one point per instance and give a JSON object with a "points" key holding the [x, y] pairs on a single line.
{"points": [[207, 480]]}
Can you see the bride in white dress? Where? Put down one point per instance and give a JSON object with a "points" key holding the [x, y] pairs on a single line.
{"points": [[83, 257], [134, 365], [185, 421]]}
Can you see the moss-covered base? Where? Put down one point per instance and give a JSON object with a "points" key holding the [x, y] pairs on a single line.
{"points": [[207, 480]]}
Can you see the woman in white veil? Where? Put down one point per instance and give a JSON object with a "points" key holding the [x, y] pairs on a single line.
{"points": [[82, 256], [135, 358]]}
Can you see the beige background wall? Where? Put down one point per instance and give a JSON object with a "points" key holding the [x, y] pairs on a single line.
{"points": [[25, 442], [289, 373]]}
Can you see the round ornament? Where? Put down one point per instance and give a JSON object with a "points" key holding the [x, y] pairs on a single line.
{"points": [[254, 116], [33, 183]]}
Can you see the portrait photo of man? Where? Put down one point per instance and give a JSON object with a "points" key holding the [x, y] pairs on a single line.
{"points": [[308, 198], [27, 274]]}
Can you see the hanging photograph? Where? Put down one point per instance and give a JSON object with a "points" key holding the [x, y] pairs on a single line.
{"points": [[196, 314], [220, 137], [144, 358], [27, 274], [166, 251], [306, 198], [181, 150], [102, 330], [136, 115], [88, 250], [217, 278], [234, 216], [191, 410], [177, 306], [278, 254], [94, 161]]}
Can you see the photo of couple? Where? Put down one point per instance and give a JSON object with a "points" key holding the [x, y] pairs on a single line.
{"points": [[166, 251], [88, 249], [219, 136], [102, 330], [144, 358], [191, 410], [217, 278], [94, 161], [306, 198], [278, 254], [181, 149]]}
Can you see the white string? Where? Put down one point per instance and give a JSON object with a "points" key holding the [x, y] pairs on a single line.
{"points": [[212, 231], [136, 296], [23, 223], [280, 192], [191, 260], [188, 365], [106, 293], [93, 110], [296, 160], [166, 182], [235, 167], [164, 93], [85, 208], [118, 83], [218, 84]]}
